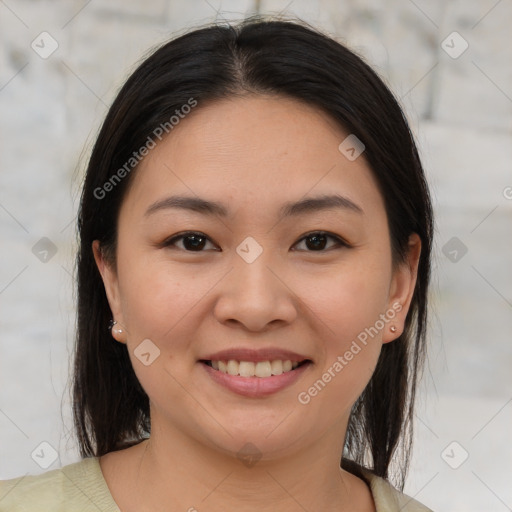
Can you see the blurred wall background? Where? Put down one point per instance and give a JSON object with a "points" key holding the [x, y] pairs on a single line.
{"points": [[61, 63]]}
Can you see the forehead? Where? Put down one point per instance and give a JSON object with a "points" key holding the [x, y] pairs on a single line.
{"points": [[253, 150]]}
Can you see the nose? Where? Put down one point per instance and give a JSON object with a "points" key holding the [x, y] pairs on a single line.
{"points": [[256, 296]]}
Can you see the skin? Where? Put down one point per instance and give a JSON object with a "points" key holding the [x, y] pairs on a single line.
{"points": [[252, 154]]}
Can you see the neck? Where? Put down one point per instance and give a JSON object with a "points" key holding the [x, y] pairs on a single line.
{"points": [[178, 470]]}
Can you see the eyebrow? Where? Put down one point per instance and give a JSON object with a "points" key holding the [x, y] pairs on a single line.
{"points": [[290, 209]]}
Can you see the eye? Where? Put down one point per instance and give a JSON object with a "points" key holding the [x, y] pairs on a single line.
{"points": [[318, 240], [192, 241]]}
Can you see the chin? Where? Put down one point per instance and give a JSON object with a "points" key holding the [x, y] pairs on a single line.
{"points": [[260, 437]]}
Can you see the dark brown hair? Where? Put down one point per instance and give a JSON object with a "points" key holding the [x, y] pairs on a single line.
{"points": [[255, 56]]}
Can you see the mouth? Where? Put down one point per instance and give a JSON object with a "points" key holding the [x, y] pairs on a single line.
{"points": [[255, 373], [260, 369]]}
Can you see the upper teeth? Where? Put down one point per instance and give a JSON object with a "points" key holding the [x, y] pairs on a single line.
{"points": [[252, 369]]}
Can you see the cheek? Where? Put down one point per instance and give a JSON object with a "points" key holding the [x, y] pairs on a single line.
{"points": [[347, 303], [158, 301], [345, 308], [347, 299], [156, 295]]}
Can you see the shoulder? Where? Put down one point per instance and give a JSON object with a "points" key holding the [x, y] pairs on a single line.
{"points": [[75, 487], [389, 499]]}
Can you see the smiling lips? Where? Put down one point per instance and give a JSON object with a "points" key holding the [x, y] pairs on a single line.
{"points": [[254, 363], [254, 369], [255, 373]]}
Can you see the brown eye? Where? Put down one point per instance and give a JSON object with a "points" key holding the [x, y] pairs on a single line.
{"points": [[317, 241], [192, 241]]}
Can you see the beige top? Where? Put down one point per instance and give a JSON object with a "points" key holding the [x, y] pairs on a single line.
{"points": [[80, 487]]}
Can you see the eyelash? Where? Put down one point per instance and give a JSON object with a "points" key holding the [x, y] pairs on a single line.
{"points": [[339, 241]]}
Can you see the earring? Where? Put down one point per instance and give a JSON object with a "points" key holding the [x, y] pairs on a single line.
{"points": [[115, 330], [392, 328]]}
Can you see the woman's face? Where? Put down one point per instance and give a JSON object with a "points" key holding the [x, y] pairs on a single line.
{"points": [[255, 284]]}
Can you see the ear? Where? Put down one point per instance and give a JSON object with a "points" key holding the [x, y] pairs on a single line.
{"points": [[111, 283], [402, 288]]}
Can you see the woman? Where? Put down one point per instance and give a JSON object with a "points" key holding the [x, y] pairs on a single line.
{"points": [[255, 237]]}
